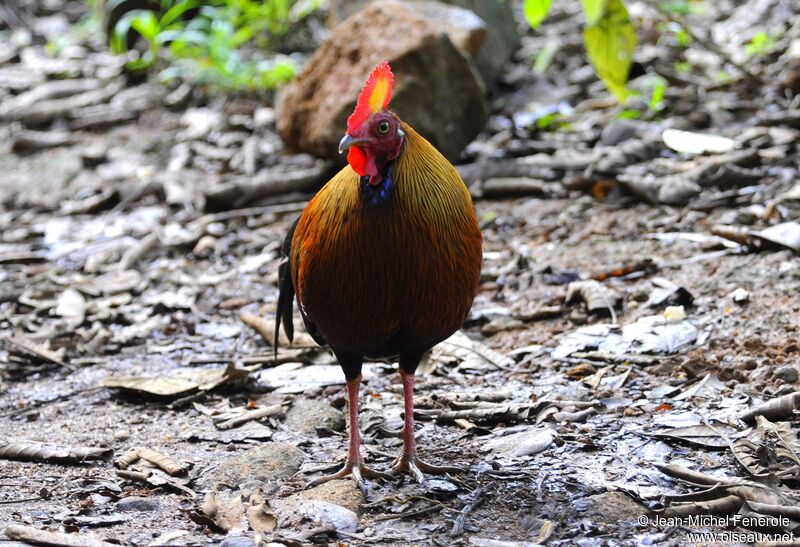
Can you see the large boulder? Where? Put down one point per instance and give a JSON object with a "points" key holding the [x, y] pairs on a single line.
{"points": [[437, 90], [502, 35]]}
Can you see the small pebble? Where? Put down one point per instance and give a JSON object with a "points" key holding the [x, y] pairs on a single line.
{"points": [[787, 373], [740, 296], [138, 503], [674, 314], [122, 435], [237, 541]]}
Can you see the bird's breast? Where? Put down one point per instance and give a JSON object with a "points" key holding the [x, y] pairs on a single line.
{"points": [[387, 274]]}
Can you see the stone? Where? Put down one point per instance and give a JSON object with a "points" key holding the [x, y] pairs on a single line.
{"points": [[525, 443], [237, 541], [740, 296], [268, 462], [437, 90], [138, 504], [466, 30], [610, 508], [501, 324], [787, 373], [39, 180], [501, 32], [335, 502], [502, 37], [306, 415]]}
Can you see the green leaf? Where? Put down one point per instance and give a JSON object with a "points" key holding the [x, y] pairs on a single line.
{"points": [[656, 102], [593, 10], [610, 44], [629, 114], [535, 11], [544, 57], [172, 15], [146, 24]]}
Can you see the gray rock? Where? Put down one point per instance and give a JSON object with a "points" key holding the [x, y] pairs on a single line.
{"points": [[335, 502], [138, 503], [306, 415], [237, 541], [787, 373], [502, 38], [500, 324], [40, 180], [611, 508], [525, 443], [268, 462]]}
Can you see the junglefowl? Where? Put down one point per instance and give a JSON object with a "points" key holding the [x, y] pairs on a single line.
{"points": [[385, 260]]}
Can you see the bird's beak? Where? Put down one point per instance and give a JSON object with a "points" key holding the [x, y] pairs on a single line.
{"points": [[348, 141]]}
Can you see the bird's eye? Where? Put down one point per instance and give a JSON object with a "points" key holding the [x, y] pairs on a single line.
{"points": [[383, 127]]}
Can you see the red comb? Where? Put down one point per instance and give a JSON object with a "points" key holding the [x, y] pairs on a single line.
{"points": [[374, 97]]}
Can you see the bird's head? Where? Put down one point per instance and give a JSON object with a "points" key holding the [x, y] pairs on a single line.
{"points": [[374, 137]]}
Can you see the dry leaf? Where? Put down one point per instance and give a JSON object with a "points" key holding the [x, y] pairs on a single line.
{"points": [[698, 435], [178, 384], [259, 515], [226, 511], [777, 409], [597, 296]]}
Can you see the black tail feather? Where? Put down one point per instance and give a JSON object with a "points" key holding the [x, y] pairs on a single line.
{"points": [[283, 314]]}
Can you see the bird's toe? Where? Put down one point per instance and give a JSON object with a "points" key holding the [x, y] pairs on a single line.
{"points": [[417, 468], [355, 470]]}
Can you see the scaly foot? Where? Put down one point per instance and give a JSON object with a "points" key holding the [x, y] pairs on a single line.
{"points": [[355, 469], [409, 463]]}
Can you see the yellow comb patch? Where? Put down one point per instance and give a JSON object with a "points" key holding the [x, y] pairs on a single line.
{"points": [[377, 98]]}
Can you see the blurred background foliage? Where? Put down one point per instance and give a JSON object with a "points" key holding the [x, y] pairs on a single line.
{"points": [[609, 37], [222, 45]]}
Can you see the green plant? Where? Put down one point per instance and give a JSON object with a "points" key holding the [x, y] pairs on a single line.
{"points": [[609, 37], [656, 102], [761, 44], [216, 43], [678, 31]]}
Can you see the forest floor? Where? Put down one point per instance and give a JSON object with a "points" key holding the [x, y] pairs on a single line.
{"points": [[622, 332]]}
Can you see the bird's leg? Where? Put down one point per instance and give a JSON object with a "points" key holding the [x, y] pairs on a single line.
{"points": [[409, 462], [354, 465]]}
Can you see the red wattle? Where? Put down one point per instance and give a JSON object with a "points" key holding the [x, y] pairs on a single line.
{"points": [[363, 164], [357, 160]]}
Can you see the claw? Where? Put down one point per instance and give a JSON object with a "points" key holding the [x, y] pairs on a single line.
{"points": [[357, 471], [417, 468]]}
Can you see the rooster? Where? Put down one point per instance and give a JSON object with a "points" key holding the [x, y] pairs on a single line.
{"points": [[385, 260]]}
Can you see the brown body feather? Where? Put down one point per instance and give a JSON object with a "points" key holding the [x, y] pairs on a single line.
{"points": [[392, 278]]}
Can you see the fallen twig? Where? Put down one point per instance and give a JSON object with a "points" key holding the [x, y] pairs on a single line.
{"points": [[409, 514], [616, 358], [35, 536], [265, 183], [137, 252], [458, 525], [251, 415]]}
